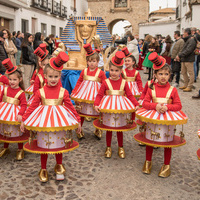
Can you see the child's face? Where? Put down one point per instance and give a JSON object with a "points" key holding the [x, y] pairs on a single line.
{"points": [[52, 77], [162, 76], [92, 64], [129, 62], [43, 63], [14, 81], [114, 72]]}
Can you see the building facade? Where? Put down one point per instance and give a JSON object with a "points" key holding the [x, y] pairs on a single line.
{"points": [[113, 11], [161, 22], [45, 16], [187, 12]]}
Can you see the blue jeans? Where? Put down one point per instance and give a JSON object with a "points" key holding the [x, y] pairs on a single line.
{"points": [[195, 68]]}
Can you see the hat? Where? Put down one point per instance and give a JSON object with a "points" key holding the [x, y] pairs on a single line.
{"points": [[10, 68], [43, 46], [57, 63], [126, 52], [88, 49], [97, 50], [158, 61], [57, 51], [117, 60], [42, 53]]}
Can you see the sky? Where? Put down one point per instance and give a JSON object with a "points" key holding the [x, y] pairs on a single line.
{"points": [[154, 5]]}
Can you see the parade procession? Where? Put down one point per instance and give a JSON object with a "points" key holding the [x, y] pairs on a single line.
{"points": [[105, 109]]}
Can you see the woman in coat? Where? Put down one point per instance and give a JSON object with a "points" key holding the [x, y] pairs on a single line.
{"points": [[9, 46]]}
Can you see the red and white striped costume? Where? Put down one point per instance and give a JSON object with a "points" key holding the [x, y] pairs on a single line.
{"points": [[134, 81]]}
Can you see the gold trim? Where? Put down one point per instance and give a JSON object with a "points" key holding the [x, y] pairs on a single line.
{"points": [[30, 93], [51, 129], [7, 141], [10, 100], [155, 145], [52, 102], [82, 100], [83, 115], [164, 122], [130, 79], [119, 130], [115, 92], [10, 122], [116, 111], [91, 78], [51, 152], [41, 80]]}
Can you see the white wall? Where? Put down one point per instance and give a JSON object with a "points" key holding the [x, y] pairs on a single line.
{"points": [[195, 16], [154, 29], [28, 13]]}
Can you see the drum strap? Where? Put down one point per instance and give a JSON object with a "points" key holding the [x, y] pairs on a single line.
{"points": [[130, 79], [120, 92], [41, 80]]}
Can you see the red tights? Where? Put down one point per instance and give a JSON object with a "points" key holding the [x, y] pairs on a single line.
{"points": [[82, 120], [109, 138], [20, 145], [167, 154], [44, 160]]}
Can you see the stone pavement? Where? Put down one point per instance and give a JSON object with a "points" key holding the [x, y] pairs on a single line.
{"points": [[92, 177]]}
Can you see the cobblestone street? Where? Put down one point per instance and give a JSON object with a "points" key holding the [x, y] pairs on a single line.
{"points": [[90, 176]]}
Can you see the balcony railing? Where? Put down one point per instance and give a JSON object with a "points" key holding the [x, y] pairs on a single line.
{"points": [[55, 8]]}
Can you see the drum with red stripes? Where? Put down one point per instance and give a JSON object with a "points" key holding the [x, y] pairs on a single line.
{"points": [[134, 88], [167, 118], [88, 91], [51, 117], [116, 104]]}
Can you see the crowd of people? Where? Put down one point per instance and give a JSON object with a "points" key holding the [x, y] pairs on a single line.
{"points": [[181, 53], [112, 101]]}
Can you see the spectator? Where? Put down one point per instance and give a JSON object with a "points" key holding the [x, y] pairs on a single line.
{"points": [[124, 39], [37, 40], [187, 58], [18, 43], [196, 70], [28, 58], [14, 35], [22, 36], [132, 45], [153, 47], [52, 36], [166, 49], [3, 54], [175, 50], [49, 44], [10, 47]]}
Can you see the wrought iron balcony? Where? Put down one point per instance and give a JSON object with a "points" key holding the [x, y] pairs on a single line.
{"points": [[44, 5]]}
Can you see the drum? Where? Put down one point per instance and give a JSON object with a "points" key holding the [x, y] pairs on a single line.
{"points": [[87, 109], [10, 130], [116, 120], [51, 140], [160, 133]]}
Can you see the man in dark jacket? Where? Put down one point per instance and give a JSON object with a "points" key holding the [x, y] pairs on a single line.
{"points": [[187, 58], [3, 54]]}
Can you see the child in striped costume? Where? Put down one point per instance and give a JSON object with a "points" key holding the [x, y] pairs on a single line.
{"points": [[12, 107], [111, 99], [51, 114], [38, 77], [161, 110], [88, 86]]}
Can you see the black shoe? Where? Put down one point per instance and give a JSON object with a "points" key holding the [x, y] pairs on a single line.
{"points": [[196, 96]]}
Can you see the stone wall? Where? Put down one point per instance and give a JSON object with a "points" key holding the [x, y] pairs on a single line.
{"points": [[138, 12]]}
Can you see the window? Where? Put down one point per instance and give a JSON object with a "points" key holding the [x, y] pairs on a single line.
{"points": [[61, 30], [53, 30], [120, 3], [24, 26], [44, 29]]}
